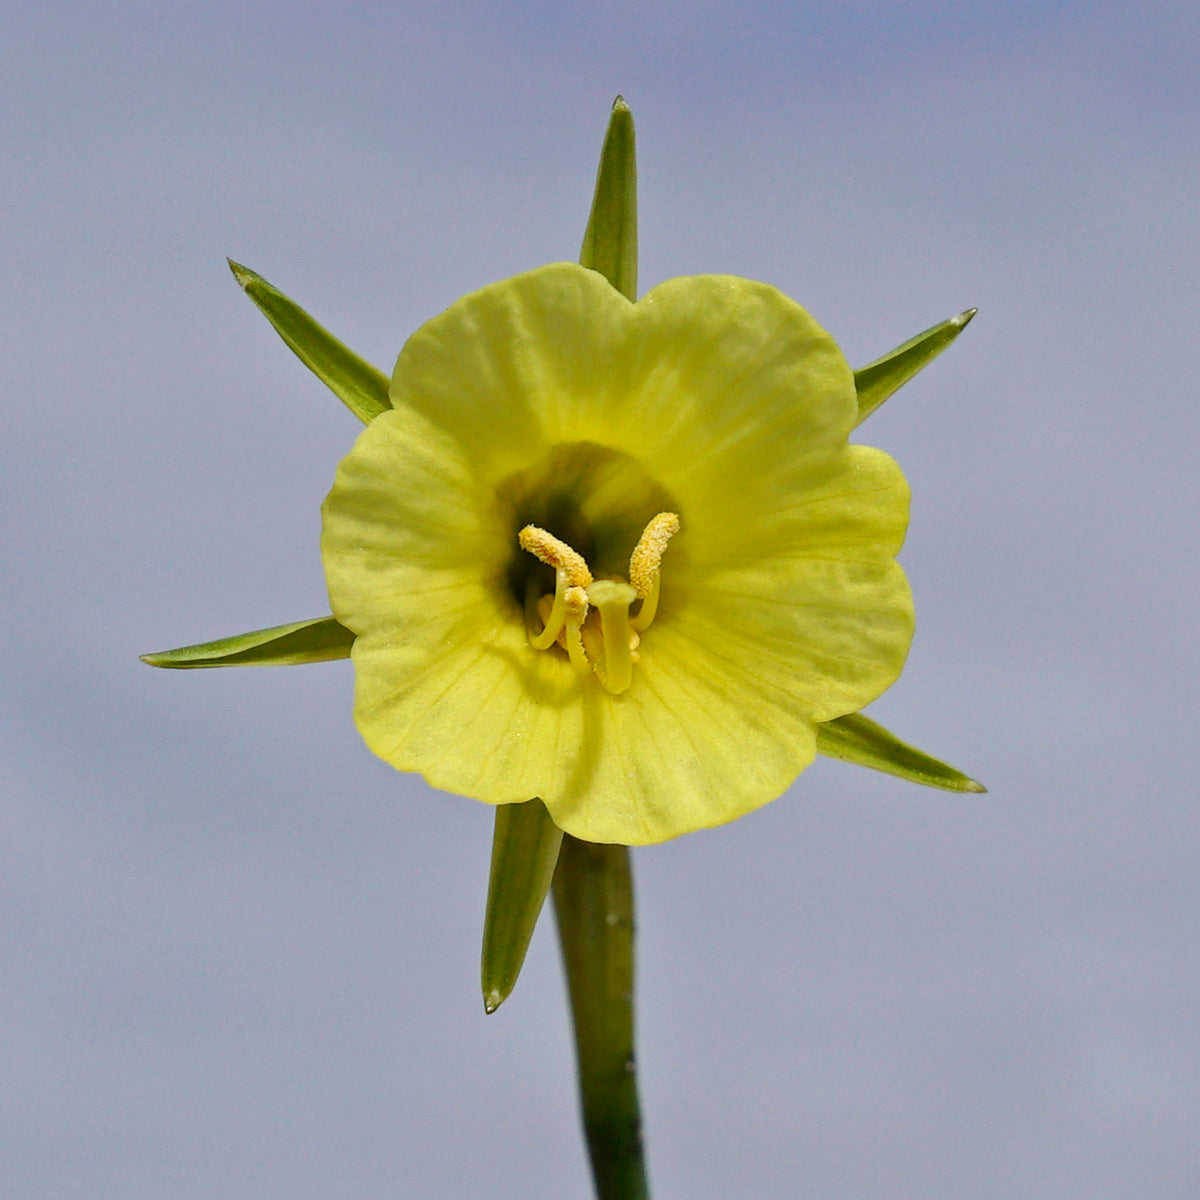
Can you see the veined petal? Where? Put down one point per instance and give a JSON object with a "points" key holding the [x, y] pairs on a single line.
{"points": [[557, 356]]}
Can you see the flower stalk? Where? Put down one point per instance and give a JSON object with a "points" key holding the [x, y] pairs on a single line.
{"points": [[593, 903]]}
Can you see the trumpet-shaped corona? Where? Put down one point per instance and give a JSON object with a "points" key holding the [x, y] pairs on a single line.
{"points": [[617, 555]]}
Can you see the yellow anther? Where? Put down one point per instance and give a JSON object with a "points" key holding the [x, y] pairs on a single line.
{"points": [[646, 559], [557, 554], [645, 564]]}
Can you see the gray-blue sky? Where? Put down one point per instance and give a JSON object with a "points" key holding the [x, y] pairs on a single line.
{"points": [[240, 954]]}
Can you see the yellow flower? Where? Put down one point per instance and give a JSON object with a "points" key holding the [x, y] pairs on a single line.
{"points": [[616, 555]]}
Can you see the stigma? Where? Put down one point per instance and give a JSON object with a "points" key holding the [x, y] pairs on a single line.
{"points": [[593, 619]]}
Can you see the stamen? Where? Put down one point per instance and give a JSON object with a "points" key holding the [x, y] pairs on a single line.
{"points": [[645, 564], [556, 616], [608, 646]]}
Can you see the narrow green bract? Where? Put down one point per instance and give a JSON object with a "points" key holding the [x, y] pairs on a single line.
{"points": [[525, 846], [857, 739], [359, 386], [319, 640], [610, 243], [877, 381]]}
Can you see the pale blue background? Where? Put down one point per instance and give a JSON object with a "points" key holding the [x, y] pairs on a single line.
{"points": [[238, 955]]}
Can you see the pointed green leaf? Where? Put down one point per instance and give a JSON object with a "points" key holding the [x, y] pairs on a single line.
{"points": [[878, 380], [525, 847], [610, 244], [858, 739], [280, 646], [357, 384]]}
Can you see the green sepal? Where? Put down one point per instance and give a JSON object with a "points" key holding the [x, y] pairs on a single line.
{"points": [[525, 845], [858, 739], [359, 386], [610, 244], [878, 380], [320, 640]]}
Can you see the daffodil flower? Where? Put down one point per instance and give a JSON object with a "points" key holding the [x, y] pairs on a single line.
{"points": [[619, 556], [614, 553]]}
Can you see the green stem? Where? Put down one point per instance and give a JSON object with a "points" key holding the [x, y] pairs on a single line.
{"points": [[593, 902]]}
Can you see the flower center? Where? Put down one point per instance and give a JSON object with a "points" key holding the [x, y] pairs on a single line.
{"points": [[590, 618]]}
